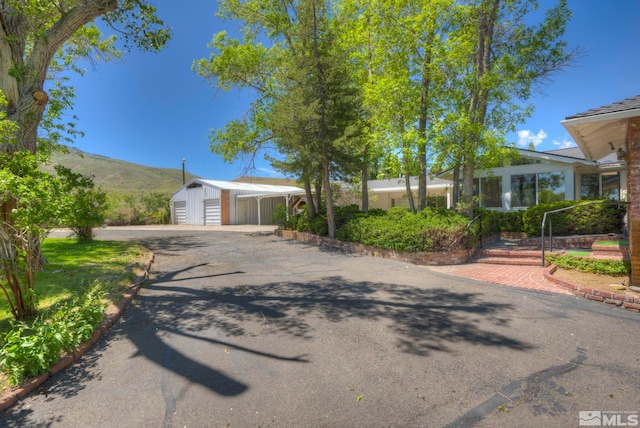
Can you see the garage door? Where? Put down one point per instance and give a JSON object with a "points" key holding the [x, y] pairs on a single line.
{"points": [[180, 212], [212, 212]]}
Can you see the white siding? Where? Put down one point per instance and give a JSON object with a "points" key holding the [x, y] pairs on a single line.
{"points": [[180, 212], [212, 212]]}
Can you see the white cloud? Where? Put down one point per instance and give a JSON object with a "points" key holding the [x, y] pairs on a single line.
{"points": [[526, 137], [564, 144]]}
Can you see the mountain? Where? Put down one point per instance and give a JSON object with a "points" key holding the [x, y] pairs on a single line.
{"points": [[118, 176], [113, 175]]}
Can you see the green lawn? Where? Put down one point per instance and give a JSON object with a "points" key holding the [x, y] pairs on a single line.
{"points": [[72, 267], [609, 243], [579, 253]]}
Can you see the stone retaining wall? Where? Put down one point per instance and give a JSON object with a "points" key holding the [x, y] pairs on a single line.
{"points": [[418, 258], [569, 241]]}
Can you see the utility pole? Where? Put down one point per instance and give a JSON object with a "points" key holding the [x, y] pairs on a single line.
{"points": [[183, 161]]}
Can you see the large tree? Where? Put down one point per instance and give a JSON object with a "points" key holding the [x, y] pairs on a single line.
{"points": [[305, 105], [40, 36], [503, 55], [40, 40]]}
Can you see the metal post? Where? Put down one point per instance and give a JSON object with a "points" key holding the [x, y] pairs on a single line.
{"points": [[183, 161], [550, 235]]}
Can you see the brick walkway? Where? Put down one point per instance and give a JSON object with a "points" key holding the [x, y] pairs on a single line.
{"points": [[529, 277]]}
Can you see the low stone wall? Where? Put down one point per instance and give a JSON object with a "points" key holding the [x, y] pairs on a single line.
{"points": [[568, 241], [626, 301], [418, 258]]}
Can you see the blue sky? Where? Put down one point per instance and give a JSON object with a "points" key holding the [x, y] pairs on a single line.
{"points": [[151, 109]]}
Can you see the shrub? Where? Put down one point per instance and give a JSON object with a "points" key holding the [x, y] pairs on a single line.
{"points": [[432, 229], [30, 350], [511, 221], [590, 219], [588, 265]]}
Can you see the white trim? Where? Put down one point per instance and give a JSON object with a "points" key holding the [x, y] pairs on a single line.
{"points": [[603, 117]]}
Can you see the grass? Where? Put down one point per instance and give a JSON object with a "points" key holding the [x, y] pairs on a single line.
{"points": [[72, 267], [610, 243], [579, 253]]}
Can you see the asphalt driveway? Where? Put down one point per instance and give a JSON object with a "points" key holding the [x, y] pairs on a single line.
{"points": [[243, 329]]}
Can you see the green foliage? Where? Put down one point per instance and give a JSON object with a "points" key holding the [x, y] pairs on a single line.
{"points": [[589, 265], [585, 219], [431, 229], [86, 205], [511, 221], [35, 201], [281, 217], [132, 209], [491, 221], [29, 350]]}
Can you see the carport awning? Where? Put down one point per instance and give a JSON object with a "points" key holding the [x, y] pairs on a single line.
{"points": [[259, 196], [272, 195]]}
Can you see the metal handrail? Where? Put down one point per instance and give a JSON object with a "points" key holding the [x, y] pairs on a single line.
{"points": [[544, 219], [468, 228]]}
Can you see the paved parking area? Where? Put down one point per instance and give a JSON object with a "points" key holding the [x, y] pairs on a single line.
{"points": [[244, 329]]}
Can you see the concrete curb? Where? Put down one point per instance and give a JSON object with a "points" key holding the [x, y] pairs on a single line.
{"points": [[111, 315], [625, 301]]}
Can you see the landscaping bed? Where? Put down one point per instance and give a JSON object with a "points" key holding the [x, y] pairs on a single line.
{"points": [[595, 281]]}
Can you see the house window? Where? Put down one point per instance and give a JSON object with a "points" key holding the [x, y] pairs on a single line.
{"points": [[605, 185], [491, 192], [589, 186], [532, 189], [523, 190], [611, 185], [550, 187]]}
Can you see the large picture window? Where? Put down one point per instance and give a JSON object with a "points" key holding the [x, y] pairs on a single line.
{"points": [[590, 186], [550, 187], [491, 192], [523, 190], [605, 185], [532, 189], [611, 185]]}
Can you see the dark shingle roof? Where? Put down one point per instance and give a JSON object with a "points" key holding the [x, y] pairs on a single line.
{"points": [[624, 105], [575, 152], [572, 152]]}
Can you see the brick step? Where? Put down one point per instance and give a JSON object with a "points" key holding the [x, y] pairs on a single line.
{"points": [[502, 253], [517, 261]]}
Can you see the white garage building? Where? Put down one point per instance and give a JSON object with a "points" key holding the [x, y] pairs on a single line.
{"points": [[213, 202]]}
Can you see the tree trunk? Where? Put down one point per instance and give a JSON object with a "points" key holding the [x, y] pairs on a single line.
{"points": [[311, 206], [365, 180], [479, 99], [331, 221], [422, 122]]}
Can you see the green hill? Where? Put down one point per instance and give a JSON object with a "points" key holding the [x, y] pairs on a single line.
{"points": [[117, 176]]}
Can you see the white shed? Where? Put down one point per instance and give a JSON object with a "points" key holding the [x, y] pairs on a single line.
{"points": [[213, 202]]}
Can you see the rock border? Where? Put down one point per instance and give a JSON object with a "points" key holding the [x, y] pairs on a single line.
{"points": [[111, 315], [625, 301], [455, 257]]}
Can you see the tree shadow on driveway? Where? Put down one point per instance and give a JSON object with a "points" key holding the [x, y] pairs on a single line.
{"points": [[421, 320]]}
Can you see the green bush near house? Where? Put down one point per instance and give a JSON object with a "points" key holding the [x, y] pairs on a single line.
{"points": [[592, 219], [511, 221], [432, 229]]}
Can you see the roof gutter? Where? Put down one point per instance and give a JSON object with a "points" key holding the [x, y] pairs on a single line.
{"points": [[601, 117]]}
